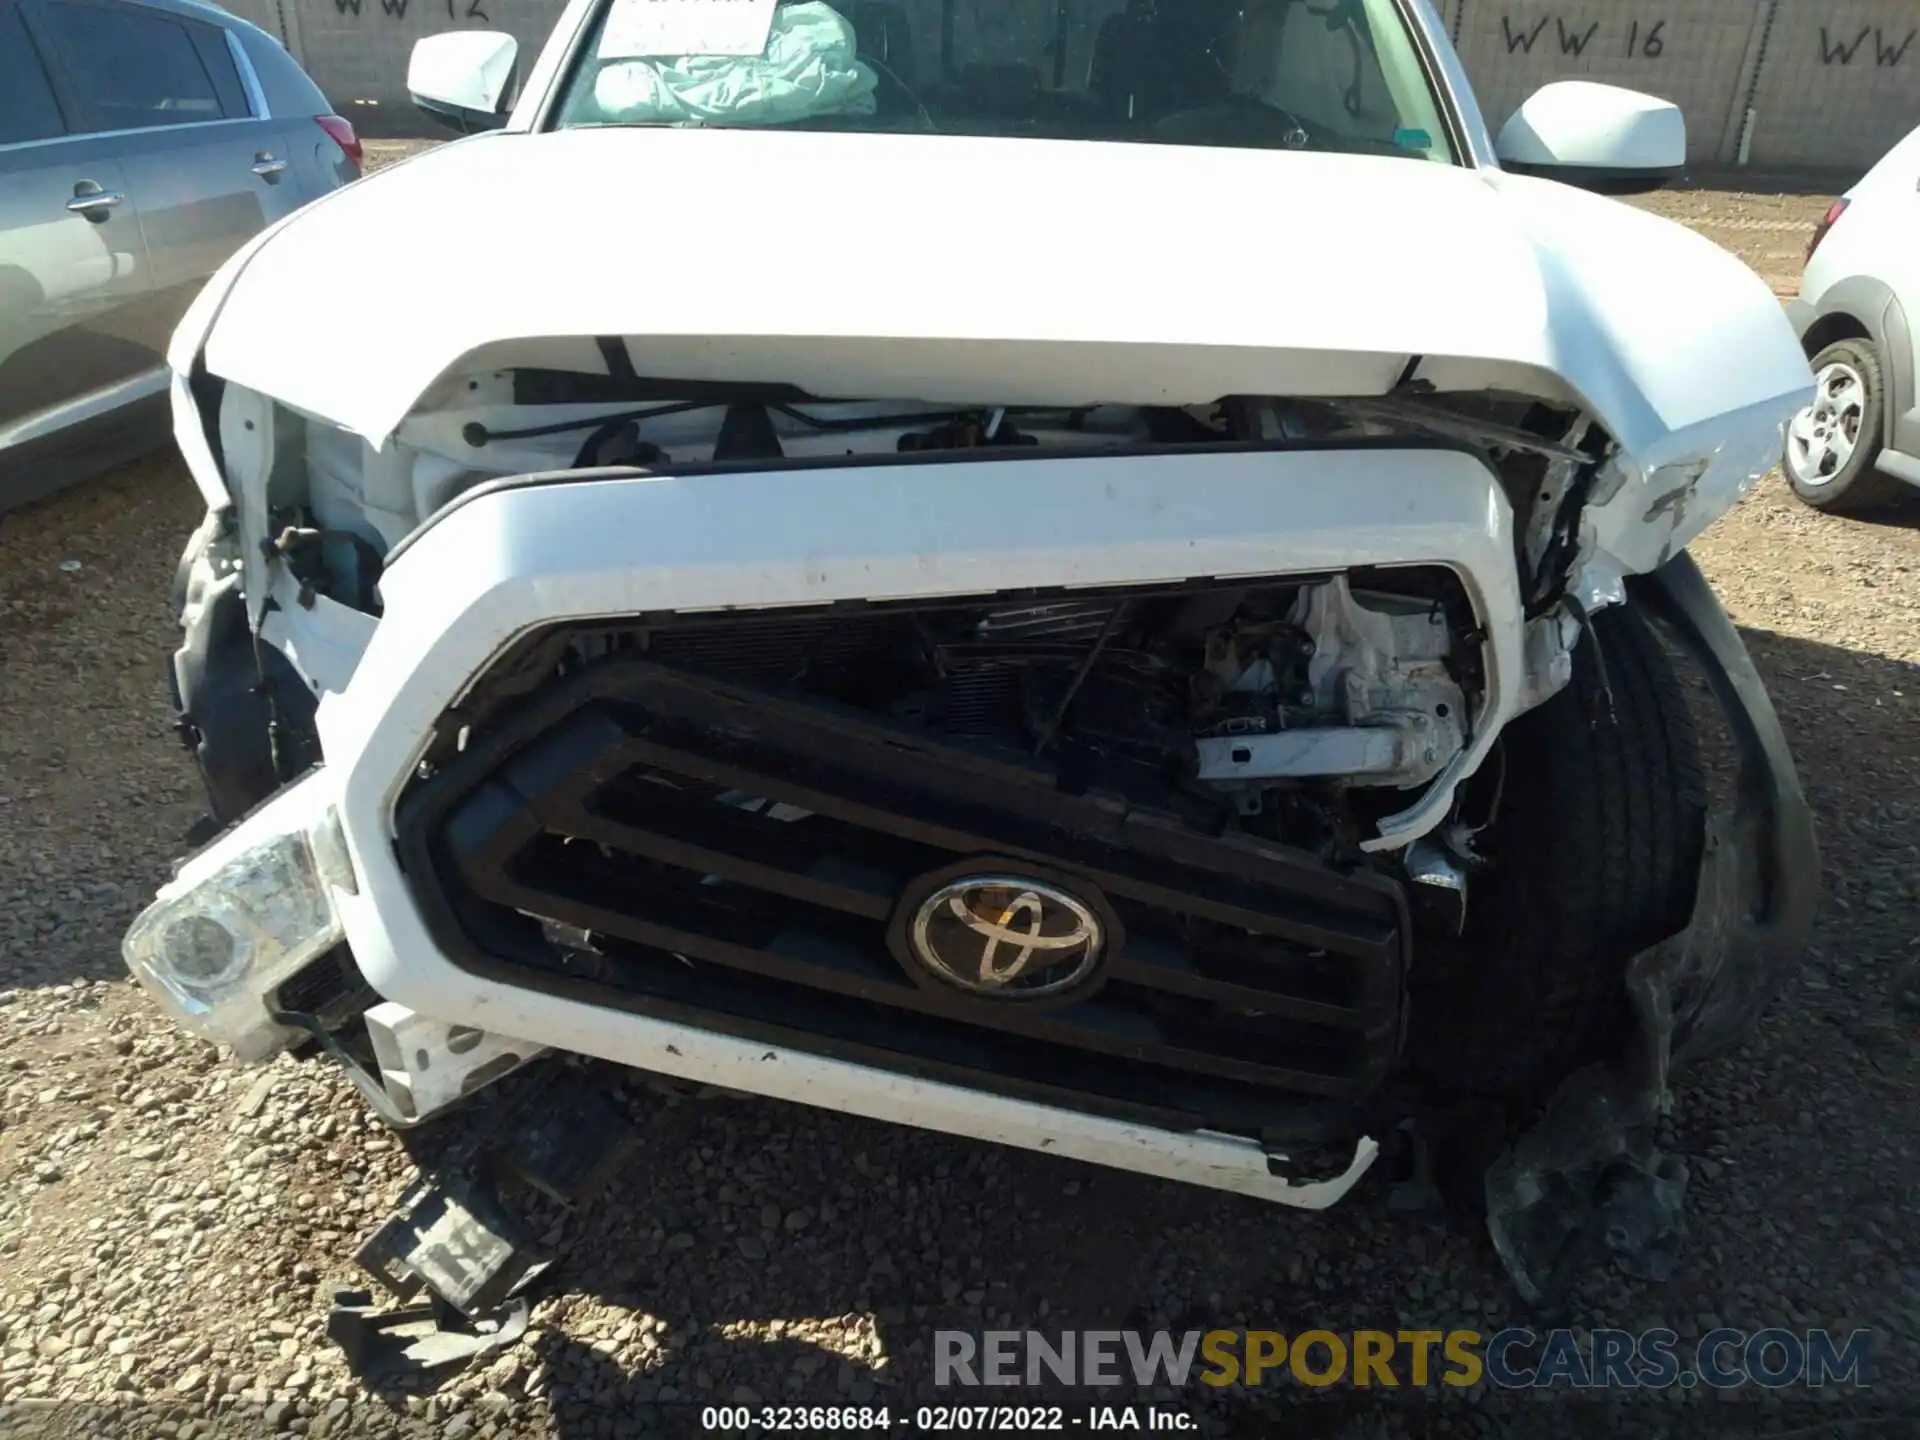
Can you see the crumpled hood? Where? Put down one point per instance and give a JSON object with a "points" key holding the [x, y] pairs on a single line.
{"points": [[1073, 272]]}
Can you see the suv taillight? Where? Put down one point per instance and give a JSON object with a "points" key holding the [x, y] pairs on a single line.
{"points": [[342, 133], [1834, 212]]}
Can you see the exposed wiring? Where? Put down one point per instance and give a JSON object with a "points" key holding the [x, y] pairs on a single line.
{"points": [[1080, 674], [864, 422], [930, 417], [476, 434], [1585, 621]]}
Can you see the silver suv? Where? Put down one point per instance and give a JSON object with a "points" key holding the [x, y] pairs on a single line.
{"points": [[141, 144]]}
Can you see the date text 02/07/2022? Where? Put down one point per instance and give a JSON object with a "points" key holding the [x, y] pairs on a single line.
{"points": [[944, 1419]]}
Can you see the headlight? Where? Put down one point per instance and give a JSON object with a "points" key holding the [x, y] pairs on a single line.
{"points": [[244, 915]]}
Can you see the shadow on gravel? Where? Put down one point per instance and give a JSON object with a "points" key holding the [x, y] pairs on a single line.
{"points": [[1904, 515]]}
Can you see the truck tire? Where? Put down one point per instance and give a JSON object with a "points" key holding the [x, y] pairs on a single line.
{"points": [[1594, 856]]}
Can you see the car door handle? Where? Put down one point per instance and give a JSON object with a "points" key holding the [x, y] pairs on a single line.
{"points": [[266, 165], [95, 201]]}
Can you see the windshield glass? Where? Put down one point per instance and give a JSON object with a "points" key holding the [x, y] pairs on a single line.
{"points": [[1282, 74]]}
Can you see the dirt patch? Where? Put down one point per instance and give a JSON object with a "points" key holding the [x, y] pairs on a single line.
{"points": [[380, 154]]}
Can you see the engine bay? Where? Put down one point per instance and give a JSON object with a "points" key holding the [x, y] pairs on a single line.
{"points": [[1301, 707], [1291, 709]]}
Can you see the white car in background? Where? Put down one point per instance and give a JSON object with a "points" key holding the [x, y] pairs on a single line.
{"points": [[1857, 447]]}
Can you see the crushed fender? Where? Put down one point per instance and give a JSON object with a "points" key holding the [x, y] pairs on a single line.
{"points": [[1588, 1177]]}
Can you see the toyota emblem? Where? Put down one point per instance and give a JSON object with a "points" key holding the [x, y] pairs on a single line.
{"points": [[1009, 936]]}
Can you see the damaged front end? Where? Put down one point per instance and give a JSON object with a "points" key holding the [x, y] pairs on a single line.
{"points": [[646, 720], [281, 589]]}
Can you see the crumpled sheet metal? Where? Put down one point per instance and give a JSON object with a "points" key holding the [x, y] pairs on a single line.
{"points": [[1587, 1178]]}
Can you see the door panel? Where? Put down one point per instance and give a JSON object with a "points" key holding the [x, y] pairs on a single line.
{"points": [[200, 199], [1883, 239], [75, 288], [207, 174]]}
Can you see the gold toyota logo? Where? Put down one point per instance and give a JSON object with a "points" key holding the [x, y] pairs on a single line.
{"points": [[1007, 935]]}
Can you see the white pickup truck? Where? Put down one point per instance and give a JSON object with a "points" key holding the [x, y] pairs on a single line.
{"points": [[1112, 582]]}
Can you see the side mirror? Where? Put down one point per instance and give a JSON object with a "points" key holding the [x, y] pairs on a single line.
{"points": [[1599, 137], [464, 79]]}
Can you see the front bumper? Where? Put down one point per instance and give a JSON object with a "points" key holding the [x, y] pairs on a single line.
{"points": [[416, 1057], [520, 555], [524, 555]]}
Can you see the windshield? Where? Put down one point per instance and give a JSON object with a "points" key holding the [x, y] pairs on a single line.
{"points": [[1338, 75]]}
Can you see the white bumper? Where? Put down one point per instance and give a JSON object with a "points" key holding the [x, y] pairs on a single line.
{"points": [[500, 563]]}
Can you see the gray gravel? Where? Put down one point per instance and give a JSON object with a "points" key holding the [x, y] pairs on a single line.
{"points": [[171, 1225]]}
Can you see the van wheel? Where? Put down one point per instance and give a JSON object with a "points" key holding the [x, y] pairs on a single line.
{"points": [[1833, 445]]}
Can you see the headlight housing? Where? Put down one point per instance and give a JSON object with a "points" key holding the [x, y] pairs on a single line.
{"points": [[245, 914]]}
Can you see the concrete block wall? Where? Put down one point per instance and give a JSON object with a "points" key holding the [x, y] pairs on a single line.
{"points": [[1841, 82], [1832, 83]]}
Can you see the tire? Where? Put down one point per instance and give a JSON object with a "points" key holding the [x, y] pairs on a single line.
{"points": [[1594, 855], [1834, 444]]}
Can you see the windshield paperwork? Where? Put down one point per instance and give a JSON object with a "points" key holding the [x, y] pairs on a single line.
{"points": [[1340, 75]]}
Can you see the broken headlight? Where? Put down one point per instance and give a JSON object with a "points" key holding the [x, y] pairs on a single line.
{"points": [[244, 915]]}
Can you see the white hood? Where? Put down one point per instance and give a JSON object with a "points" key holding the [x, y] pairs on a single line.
{"points": [[1074, 272]]}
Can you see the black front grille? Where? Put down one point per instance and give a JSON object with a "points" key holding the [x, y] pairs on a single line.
{"points": [[701, 850]]}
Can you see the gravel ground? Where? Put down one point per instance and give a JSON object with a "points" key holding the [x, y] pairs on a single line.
{"points": [[171, 1225]]}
